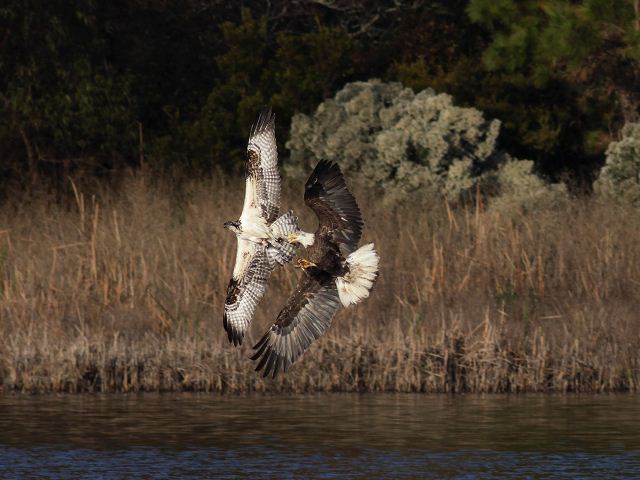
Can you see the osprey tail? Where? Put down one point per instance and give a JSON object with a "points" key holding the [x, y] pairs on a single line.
{"points": [[280, 249], [284, 225], [363, 271]]}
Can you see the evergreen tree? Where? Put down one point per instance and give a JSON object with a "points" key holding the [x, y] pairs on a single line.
{"points": [[60, 97], [290, 71], [594, 44], [579, 62]]}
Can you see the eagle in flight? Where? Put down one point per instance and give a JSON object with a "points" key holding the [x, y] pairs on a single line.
{"points": [[262, 236], [336, 271]]}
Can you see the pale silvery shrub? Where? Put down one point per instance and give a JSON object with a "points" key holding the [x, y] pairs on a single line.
{"points": [[398, 140], [620, 175], [388, 137], [518, 188]]}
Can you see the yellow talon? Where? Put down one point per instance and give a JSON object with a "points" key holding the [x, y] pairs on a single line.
{"points": [[304, 263], [292, 237]]}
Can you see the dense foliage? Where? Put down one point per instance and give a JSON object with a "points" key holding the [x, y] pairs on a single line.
{"points": [[399, 142], [97, 86], [578, 61], [620, 176]]}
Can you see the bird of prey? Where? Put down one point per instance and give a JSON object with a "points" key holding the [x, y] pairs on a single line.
{"points": [[336, 272], [261, 235]]}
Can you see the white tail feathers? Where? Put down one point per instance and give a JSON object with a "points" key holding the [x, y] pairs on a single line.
{"points": [[363, 271]]}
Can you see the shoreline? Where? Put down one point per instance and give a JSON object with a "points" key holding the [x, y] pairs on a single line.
{"points": [[328, 368]]}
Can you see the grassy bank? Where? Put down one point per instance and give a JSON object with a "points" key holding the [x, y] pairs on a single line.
{"points": [[122, 290]]}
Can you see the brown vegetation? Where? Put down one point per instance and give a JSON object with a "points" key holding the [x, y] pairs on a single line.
{"points": [[122, 290]]}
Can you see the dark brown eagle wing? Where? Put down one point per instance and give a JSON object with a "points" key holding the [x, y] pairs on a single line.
{"points": [[340, 220], [305, 317], [263, 176]]}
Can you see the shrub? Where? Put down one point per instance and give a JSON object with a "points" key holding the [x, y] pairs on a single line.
{"points": [[404, 142], [620, 176], [519, 188]]}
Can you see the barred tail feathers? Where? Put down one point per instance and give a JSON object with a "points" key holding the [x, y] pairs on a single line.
{"points": [[279, 250], [363, 271], [285, 225]]}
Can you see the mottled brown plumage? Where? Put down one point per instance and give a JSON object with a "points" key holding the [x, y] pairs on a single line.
{"points": [[262, 164]]}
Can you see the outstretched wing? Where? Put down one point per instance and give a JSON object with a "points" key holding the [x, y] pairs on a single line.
{"points": [[247, 285], [305, 317], [263, 177], [327, 195]]}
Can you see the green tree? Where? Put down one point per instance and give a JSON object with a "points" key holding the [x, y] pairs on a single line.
{"points": [[291, 71], [593, 44], [310, 67], [217, 133], [567, 76], [60, 99]]}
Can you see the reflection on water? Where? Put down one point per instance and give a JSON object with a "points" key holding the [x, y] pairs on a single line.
{"points": [[192, 436]]}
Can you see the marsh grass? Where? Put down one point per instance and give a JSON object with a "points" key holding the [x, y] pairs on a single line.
{"points": [[121, 289]]}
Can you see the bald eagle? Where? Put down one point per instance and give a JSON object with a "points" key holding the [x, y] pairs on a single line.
{"points": [[261, 235], [335, 272]]}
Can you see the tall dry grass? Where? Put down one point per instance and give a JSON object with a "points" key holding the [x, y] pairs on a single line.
{"points": [[122, 290]]}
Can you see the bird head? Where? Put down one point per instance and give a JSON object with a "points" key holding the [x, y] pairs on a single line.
{"points": [[301, 238], [234, 226]]}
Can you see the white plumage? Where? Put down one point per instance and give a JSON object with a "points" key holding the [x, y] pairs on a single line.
{"points": [[363, 270]]}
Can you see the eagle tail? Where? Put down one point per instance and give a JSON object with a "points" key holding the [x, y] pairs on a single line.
{"points": [[281, 250], [356, 284]]}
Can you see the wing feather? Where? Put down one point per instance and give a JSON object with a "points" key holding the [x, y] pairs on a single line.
{"points": [[263, 176], [339, 216], [305, 317], [246, 288]]}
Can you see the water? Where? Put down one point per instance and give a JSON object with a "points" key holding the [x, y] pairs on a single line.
{"points": [[324, 436]]}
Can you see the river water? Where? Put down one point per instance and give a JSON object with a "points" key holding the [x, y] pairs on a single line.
{"points": [[319, 436]]}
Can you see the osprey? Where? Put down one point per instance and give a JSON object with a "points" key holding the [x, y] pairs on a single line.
{"points": [[261, 235], [336, 272]]}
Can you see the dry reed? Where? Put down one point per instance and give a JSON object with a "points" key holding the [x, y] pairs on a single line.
{"points": [[122, 290]]}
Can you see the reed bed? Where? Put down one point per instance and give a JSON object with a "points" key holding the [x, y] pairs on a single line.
{"points": [[122, 289]]}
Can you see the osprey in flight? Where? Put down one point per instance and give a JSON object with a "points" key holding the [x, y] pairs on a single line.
{"points": [[262, 236], [336, 272]]}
